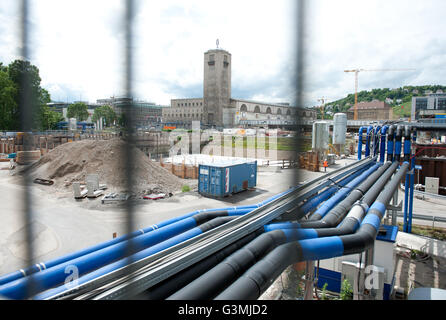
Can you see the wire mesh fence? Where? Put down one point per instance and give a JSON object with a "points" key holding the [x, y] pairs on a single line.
{"points": [[127, 133]]}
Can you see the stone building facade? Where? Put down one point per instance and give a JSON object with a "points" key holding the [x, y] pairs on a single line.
{"points": [[373, 110], [218, 109], [183, 111]]}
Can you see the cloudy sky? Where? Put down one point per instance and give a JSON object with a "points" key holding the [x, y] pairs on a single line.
{"points": [[77, 46]]}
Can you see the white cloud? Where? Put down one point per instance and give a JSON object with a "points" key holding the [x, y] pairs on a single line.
{"points": [[77, 46], [378, 34]]}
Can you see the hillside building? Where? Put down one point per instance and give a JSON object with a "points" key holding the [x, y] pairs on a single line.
{"points": [[428, 106], [373, 110]]}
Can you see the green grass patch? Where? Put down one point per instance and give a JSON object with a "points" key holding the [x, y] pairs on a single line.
{"points": [[403, 112], [185, 188], [281, 143], [435, 233]]}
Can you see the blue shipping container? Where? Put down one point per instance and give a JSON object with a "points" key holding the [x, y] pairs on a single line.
{"points": [[220, 180]]}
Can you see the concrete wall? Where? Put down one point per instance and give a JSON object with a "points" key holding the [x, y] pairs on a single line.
{"points": [[253, 110], [384, 256], [372, 114]]}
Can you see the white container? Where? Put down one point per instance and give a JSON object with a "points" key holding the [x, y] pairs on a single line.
{"points": [[339, 128], [72, 124], [320, 136]]}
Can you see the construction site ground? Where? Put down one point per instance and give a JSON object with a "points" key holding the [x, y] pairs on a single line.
{"points": [[63, 225]]}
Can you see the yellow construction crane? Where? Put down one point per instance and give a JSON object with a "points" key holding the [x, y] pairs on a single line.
{"points": [[356, 71]]}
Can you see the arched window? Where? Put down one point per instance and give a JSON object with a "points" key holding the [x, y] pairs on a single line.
{"points": [[288, 112], [279, 111], [268, 110], [243, 108], [257, 109]]}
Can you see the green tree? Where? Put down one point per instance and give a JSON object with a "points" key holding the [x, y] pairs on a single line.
{"points": [[105, 112], [18, 80], [49, 118], [122, 120], [9, 111], [78, 110]]}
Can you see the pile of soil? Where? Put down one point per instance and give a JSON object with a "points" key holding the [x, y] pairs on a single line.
{"points": [[73, 161]]}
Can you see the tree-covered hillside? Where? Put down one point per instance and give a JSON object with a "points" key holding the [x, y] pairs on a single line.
{"points": [[400, 99]]}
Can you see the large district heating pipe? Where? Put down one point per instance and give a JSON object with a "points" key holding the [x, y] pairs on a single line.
{"points": [[210, 283], [336, 192], [55, 275], [398, 143], [341, 194], [139, 255], [382, 148], [169, 286], [335, 215], [360, 141], [367, 142], [90, 258], [390, 142], [43, 279], [258, 278], [376, 131], [197, 213], [149, 251]]}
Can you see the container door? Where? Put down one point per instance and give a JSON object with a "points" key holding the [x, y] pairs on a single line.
{"points": [[204, 179], [227, 180], [215, 181], [252, 174]]}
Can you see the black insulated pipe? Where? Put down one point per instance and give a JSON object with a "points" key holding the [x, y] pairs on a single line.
{"points": [[218, 278], [390, 142], [215, 222], [357, 212], [297, 213], [206, 216], [171, 285], [407, 131], [374, 191], [335, 215], [259, 277], [212, 282], [366, 234], [398, 139]]}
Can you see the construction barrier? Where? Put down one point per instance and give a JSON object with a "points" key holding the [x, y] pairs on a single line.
{"points": [[26, 157]]}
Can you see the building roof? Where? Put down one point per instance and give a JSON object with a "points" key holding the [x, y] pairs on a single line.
{"points": [[273, 104], [375, 104]]}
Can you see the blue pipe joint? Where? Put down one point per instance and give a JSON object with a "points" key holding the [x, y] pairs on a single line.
{"points": [[360, 132], [376, 140], [367, 142], [390, 146], [382, 148]]}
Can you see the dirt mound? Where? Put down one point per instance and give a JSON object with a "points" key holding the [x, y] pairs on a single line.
{"points": [[75, 160]]}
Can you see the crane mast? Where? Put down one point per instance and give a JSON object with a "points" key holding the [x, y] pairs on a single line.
{"points": [[356, 71]]}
